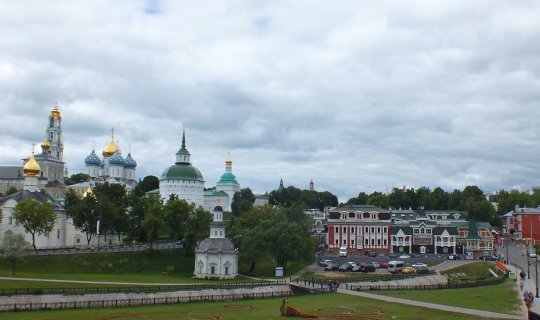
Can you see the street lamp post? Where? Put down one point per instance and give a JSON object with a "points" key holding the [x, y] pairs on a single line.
{"points": [[99, 227], [507, 244], [528, 264]]}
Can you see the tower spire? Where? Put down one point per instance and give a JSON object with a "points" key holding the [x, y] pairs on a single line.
{"points": [[184, 138]]}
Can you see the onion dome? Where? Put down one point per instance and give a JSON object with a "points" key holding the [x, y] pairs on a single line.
{"points": [[55, 113], [228, 177], [182, 171], [92, 159], [116, 159], [129, 162], [110, 149], [45, 145], [31, 168]]}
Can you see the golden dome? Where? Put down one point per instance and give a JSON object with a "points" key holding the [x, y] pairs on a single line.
{"points": [[31, 168], [110, 149], [55, 113], [45, 144], [228, 161]]}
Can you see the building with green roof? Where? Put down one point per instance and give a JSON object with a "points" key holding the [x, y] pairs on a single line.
{"points": [[182, 178]]}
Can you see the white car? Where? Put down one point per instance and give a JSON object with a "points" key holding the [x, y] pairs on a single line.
{"points": [[419, 265], [532, 255], [404, 256], [353, 264], [324, 263]]}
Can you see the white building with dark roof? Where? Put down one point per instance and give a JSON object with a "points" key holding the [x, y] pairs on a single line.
{"points": [[216, 256]]}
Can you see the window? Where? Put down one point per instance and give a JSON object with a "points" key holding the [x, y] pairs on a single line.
{"points": [[337, 229], [378, 242], [384, 229], [379, 230], [352, 229], [337, 241], [428, 231], [372, 229], [226, 270], [352, 241], [212, 270], [78, 240], [344, 229], [372, 242], [394, 238], [367, 242], [344, 241], [385, 243], [416, 231], [422, 230], [366, 229], [58, 234]]}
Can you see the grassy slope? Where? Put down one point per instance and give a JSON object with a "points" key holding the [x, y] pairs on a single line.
{"points": [[141, 266], [248, 309], [497, 298]]}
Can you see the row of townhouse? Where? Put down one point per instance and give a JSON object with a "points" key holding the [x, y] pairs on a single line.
{"points": [[364, 228]]}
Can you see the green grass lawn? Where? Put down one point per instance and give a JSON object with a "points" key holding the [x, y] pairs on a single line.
{"points": [[497, 298], [473, 271], [323, 304], [142, 266]]}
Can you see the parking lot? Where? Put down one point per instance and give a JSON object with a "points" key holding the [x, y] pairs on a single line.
{"points": [[364, 259]]}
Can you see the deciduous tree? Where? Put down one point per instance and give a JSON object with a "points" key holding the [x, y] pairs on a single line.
{"points": [[37, 218], [14, 247]]}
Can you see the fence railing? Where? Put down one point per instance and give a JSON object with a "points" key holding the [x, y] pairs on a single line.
{"points": [[452, 285], [138, 289], [139, 301]]}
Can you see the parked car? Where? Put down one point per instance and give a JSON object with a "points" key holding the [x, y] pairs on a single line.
{"points": [[356, 268], [422, 270], [331, 267], [325, 262], [345, 267], [408, 270], [452, 257], [532, 254], [367, 268], [383, 265], [404, 256], [419, 265], [372, 254], [488, 258], [343, 251], [375, 264]]}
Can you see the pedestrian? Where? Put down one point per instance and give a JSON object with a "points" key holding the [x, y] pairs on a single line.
{"points": [[521, 286]]}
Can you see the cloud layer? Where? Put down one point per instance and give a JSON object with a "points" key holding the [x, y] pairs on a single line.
{"points": [[354, 95]]}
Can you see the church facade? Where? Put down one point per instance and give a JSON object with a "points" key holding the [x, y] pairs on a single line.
{"points": [[186, 181]]}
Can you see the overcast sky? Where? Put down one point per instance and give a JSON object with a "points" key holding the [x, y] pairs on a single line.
{"points": [[356, 95]]}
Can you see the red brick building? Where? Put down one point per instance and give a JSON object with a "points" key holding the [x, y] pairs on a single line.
{"points": [[522, 224], [361, 228]]}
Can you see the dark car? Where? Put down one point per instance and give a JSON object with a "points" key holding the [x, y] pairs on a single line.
{"points": [[372, 254], [422, 270], [367, 268], [452, 257], [331, 267], [345, 267], [488, 258]]}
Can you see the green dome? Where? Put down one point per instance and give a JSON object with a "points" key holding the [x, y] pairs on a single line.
{"points": [[227, 177], [182, 171]]}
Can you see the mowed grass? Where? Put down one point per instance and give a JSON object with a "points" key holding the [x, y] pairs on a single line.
{"points": [[349, 307], [501, 298], [473, 271], [144, 266]]}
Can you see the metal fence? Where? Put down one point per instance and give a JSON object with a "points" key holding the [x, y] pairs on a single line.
{"points": [[453, 285], [139, 301], [138, 289]]}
